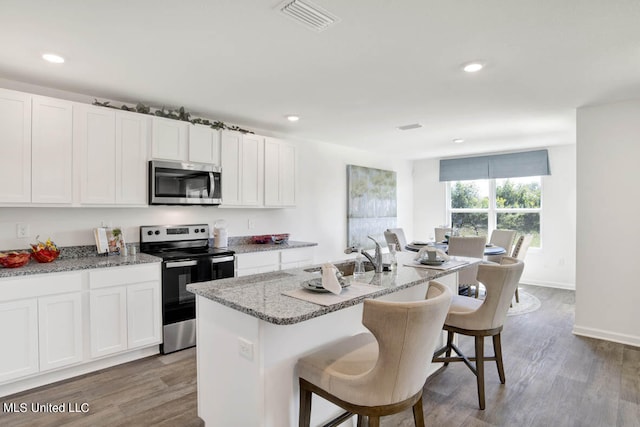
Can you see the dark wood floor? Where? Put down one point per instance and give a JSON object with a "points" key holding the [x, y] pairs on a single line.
{"points": [[553, 379]]}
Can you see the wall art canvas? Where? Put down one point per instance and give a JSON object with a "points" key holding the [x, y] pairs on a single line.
{"points": [[371, 205]]}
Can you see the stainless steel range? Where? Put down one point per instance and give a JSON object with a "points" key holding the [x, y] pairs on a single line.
{"points": [[186, 258]]}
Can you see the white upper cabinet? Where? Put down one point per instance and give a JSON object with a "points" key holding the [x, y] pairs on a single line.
{"points": [[132, 148], [95, 141], [279, 173], [170, 139], [242, 160], [111, 155], [15, 146], [51, 150], [204, 144]]}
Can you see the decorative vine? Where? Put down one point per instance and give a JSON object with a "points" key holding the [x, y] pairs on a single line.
{"points": [[179, 114]]}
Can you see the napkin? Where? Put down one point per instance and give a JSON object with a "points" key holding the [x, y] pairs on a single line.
{"points": [[422, 253], [329, 279]]}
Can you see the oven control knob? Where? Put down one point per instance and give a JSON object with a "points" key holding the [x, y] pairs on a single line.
{"points": [[196, 230], [202, 230], [149, 232], [157, 232]]}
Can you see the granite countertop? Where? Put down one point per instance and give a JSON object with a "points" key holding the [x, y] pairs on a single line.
{"points": [[260, 295], [77, 263], [247, 247]]}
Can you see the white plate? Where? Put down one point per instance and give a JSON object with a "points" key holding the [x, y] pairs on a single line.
{"points": [[316, 285], [419, 243], [432, 262]]}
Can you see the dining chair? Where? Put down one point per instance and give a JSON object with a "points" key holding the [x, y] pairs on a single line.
{"points": [[470, 247], [441, 233], [382, 372], [482, 318], [520, 252], [396, 235], [503, 238]]}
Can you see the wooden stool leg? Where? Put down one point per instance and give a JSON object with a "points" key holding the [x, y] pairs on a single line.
{"points": [[418, 413], [497, 349], [360, 421], [449, 341], [304, 418], [517, 296], [374, 421], [480, 369]]}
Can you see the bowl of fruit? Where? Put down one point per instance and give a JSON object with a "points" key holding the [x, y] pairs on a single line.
{"points": [[45, 252], [14, 259]]}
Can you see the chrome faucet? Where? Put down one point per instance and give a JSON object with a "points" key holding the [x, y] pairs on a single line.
{"points": [[376, 260]]}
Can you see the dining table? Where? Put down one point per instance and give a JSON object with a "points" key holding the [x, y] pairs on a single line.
{"points": [[489, 249]]}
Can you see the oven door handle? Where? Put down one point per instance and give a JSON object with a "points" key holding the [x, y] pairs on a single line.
{"points": [[222, 259], [177, 264]]}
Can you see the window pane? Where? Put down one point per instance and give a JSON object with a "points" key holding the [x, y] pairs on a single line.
{"points": [[523, 223], [470, 224], [518, 192], [470, 194]]}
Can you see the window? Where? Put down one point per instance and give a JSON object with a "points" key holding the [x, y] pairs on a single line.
{"points": [[478, 207]]}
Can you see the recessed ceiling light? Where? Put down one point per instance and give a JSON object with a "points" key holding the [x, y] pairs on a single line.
{"points": [[473, 67], [411, 126], [53, 58], [458, 141], [293, 118]]}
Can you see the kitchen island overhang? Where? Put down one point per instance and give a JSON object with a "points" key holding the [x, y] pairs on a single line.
{"points": [[250, 337]]}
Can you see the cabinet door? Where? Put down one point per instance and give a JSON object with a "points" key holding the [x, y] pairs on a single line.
{"points": [[19, 331], [94, 133], [204, 145], [272, 195], [132, 148], [60, 330], [143, 314], [169, 139], [51, 150], [230, 152], [108, 318], [252, 170], [15, 146], [288, 174]]}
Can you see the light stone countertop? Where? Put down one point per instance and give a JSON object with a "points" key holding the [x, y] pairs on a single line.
{"points": [[77, 263], [245, 248], [260, 295]]}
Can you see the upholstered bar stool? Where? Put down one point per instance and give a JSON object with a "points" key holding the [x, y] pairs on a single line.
{"points": [[382, 373], [482, 318]]}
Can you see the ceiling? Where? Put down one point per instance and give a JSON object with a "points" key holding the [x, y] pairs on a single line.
{"points": [[384, 64]]}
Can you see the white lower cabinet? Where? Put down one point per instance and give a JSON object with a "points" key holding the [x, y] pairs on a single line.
{"points": [[108, 318], [124, 309], [60, 330], [267, 261], [19, 330]]}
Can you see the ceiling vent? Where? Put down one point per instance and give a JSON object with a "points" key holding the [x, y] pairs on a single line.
{"points": [[411, 126], [308, 14]]}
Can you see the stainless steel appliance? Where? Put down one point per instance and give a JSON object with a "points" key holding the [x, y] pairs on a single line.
{"points": [[186, 258], [183, 183]]}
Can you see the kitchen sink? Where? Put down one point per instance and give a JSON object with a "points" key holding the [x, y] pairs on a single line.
{"points": [[346, 268]]}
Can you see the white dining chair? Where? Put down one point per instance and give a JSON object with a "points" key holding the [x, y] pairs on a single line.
{"points": [[470, 247], [396, 235], [441, 233], [502, 238], [520, 252]]}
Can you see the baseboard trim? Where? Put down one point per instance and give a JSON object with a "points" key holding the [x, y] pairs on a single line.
{"points": [[557, 285], [633, 340]]}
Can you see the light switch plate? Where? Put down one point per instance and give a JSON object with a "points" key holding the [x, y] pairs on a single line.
{"points": [[22, 230]]}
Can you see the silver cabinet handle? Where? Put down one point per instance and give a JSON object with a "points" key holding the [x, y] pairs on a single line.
{"points": [[223, 259], [181, 264], [213, 185]]}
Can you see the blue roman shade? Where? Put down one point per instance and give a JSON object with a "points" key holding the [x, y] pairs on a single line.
{"points": [[512, 165]]}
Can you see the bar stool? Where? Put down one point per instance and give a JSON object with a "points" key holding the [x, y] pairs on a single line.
{"points": [[382, 373], [482, 318]]}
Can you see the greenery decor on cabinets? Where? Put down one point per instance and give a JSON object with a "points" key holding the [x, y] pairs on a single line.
{"points": [[179, 114]]}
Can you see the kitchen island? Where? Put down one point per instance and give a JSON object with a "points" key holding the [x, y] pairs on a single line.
{"points": [[250, 337]]}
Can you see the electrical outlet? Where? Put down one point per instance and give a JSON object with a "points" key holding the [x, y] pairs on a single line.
{"points": [[245, 348], [22, 230], [251, 224]]}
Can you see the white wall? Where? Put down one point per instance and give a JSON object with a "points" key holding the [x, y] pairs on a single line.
{"points": [[607, 289], [320, 215], [551, 265]]}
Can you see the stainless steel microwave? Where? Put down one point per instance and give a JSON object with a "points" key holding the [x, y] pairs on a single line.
{"points": [[183, 183]]}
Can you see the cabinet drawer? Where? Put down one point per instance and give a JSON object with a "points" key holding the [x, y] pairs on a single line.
{"points": [[39, 285], [103, 278], [296, 255], [258, 259]]}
